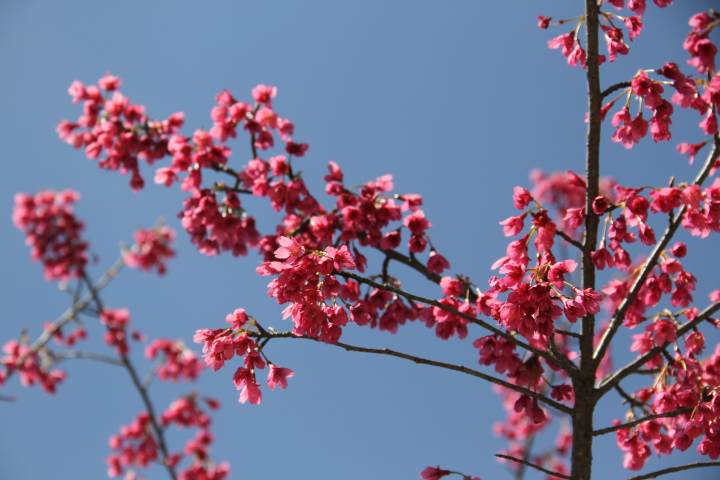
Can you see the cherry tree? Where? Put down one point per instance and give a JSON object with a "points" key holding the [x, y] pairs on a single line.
{"points": [[588, 258]]}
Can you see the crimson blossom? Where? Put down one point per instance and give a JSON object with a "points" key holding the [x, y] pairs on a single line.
{"points": [[543, 324]]}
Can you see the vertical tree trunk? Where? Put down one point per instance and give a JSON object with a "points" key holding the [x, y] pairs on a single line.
{"points": [[584, 383], [582, 425]]}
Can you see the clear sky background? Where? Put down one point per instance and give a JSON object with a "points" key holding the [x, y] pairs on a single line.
{"points": [[459, 100]]}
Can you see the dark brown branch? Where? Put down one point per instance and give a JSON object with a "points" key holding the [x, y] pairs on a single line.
{"points": [[142, 391], [638, 421], [615, 378], [679, 468], [412, 263], [569, 239], [425, 361], [614, 88], [428, 301], [619, 315], [634, 402], [532, 465]]}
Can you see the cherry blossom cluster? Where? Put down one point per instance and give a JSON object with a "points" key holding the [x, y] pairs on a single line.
{"points": [[136, 447], [221, 345], [612, 25], [116, 322], [687, 391], [699, 93], [152, 249], [115, 129], [66, 339], [32, 368], [177, 362], [436, 473], [534, 296], [53, 232]]}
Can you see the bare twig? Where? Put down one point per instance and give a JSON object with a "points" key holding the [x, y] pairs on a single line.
{"points": [[532, 465], [614, 88], [679, 468], [425, 361], [569, 239], [638, 421]]}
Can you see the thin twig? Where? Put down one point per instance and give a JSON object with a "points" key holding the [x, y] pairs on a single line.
{"points": [[532, 465], [638, 421], [569, 239], [425, 361], [78, 354], [69, 315], [614, 88], [679, 468], [634, 402]]}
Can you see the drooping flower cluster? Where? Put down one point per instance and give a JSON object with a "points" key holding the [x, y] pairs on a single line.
{"points": [[611, 25], [53, 232], [137, 447], [177, 362], [30, 366], [152, 249], [687, 391], [116, 322], [221, 345]]}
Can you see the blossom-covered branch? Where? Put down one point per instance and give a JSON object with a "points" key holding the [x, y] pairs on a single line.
{"points": [[650, 263]]}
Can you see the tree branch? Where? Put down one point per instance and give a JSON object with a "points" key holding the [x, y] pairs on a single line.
{"points": [[680, 468], [422, 269], [634, 365], [410, 296], [614, 88], [425, 361], [569, 239], [142, 391], [638, 421], [532, 465], [78, 354], [619, 315], [70, 314]]}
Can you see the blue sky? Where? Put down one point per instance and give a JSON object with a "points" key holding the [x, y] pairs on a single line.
{"points": [[459, 100]]}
